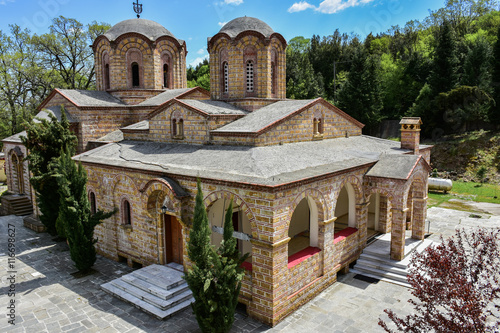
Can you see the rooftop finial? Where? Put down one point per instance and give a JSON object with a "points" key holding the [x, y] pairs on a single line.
{"points": [[137, 8]]}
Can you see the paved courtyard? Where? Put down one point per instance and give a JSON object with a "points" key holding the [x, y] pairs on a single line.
{"points": [[49, 299]]}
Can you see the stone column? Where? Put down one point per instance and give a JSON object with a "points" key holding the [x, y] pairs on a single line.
{"points": [[419, 215], [269, 270], [398, 233], [325, 243], [362, 222], [384, 225]]}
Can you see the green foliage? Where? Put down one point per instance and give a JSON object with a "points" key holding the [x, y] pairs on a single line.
{"points": [[361, 96], [478, 65], [74, 213], [45, 140], [215, 278], [495, 111], [199, 76]]}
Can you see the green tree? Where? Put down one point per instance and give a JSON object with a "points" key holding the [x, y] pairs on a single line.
{"points": [[478, 65], [74, 212], [45, 140], [199, 76], [215, 278], [444, 75], [361, 96], [495, 111], [66, 49]]}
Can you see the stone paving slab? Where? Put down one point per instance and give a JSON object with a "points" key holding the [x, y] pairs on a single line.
{"points": [[49, 299]]}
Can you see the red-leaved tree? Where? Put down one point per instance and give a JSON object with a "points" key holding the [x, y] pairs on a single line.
{"points": [[457, 285]]}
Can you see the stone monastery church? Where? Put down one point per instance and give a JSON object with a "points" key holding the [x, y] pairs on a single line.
{"points": [[309, 188]]}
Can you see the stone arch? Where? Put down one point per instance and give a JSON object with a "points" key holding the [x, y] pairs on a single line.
{"points": [[119, 179], [177, 123], [135, 68], [316, 203], [156, 191], [237, 201], [352, 184]]}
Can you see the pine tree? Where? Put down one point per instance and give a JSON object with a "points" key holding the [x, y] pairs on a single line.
{"points": [[45, 140], [74, 212], [444, 75], [215, 278], [478, 65], [495, 111]]}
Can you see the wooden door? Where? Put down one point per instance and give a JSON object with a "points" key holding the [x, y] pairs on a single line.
{"points": [[173, 240]]}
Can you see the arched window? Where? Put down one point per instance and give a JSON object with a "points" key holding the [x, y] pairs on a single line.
{"points": [[273, 78], [126, 214], [165, 76], [106, 76], [177, 125], [250, 81], [135, 75], [225, 67], [93, 203]]}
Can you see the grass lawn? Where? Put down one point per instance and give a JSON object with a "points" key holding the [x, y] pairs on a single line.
{"points": [[467, 191]]}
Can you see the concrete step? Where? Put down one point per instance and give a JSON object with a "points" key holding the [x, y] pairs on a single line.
{"points": [[162, 277], [382, 273], [145, 306], [150, 298], [383, 260], [154, 290], [381, 266], [381, 278], [176, 266]]}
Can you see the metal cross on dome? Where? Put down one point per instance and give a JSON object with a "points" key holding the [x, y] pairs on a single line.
{"points": [[137, 8]]}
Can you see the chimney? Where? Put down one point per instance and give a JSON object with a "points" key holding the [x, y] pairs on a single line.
{"points": [[410, 133]]}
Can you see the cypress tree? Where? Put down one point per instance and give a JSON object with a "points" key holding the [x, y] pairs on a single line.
{"points": [[215, 278], [74, 213], [495, 111], [45, 140]]}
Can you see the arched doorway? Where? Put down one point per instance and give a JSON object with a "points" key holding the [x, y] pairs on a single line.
{"points": [[18, 170], [345, 208], [303, 229]]}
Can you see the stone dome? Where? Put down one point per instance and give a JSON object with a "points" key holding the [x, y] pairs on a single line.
{"points": [[238, 25], [148, 28]]}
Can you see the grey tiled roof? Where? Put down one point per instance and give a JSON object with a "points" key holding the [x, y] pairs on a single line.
{"points": [[55, 111], [263, 117], [270, 165], [115, 136], [163, 97], [394, 166], [16, 137], [240, 24], [91, 98], [142, 125], [215, 107], [148, 28]]}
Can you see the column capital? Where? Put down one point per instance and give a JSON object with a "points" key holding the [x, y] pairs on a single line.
{"points": [[260, 243], [327, 222], [400, 210]]}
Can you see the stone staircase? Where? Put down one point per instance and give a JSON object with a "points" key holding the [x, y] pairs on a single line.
{"points": [[17, 204], [158, 290], [375, 261]]}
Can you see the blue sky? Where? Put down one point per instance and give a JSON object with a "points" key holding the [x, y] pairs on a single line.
{"points": [[195, 20]]}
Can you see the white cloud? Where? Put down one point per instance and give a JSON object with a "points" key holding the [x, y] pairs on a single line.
{"points": [[221, 24], [300, 6], [327, 6], [4, 2], [233, 2], [201, 51], [196, 61]]}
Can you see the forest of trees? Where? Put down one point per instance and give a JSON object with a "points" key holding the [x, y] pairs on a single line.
{"points": [[442, 69]]}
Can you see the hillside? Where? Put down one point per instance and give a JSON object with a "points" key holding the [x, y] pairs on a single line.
{"points": [[462, 156]]}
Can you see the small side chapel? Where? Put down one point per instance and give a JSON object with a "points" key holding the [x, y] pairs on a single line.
{"points": [[309, 189]]}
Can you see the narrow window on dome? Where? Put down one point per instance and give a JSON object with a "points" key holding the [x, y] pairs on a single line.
{"points": [[273, 78], [250, 73], [226, 77], [93, 204], [106, 76], [165, 76], [135, 75], [174, 127]]}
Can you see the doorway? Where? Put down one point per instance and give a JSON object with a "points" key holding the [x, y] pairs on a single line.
{"points": [[173, 240]]}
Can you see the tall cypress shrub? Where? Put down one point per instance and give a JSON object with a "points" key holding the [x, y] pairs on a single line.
{"points": [[215, 278]]}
